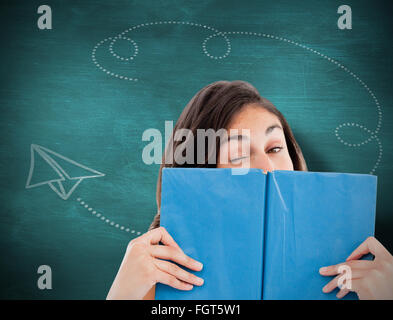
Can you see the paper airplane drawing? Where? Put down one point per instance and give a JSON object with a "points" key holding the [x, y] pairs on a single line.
{"points": [[60, 179]]}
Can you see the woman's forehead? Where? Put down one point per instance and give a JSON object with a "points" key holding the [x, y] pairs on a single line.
{"points": [[254, 118]]}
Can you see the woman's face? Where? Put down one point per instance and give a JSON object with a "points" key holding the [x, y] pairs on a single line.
{"points": [[266, 146]]}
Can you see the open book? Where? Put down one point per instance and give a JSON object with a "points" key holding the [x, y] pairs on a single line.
{"points": [[265, 236]]}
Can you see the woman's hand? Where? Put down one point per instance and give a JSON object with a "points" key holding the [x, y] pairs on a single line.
{"points": [[142, 266], [369, 279]]}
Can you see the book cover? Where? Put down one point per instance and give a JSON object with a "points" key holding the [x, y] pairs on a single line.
{"points": [[217, 219], [313, 219], [265, 236]]}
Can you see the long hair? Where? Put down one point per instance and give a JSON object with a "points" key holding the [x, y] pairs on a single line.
{"points": [[213, 107]]}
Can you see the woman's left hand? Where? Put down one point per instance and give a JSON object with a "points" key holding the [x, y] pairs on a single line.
{"points": [[369, 279]]}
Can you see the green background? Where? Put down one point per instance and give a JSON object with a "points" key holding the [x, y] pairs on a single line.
{"points": [[53, 95]]}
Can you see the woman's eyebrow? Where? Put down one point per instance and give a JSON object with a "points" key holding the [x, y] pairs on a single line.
{"points": [[240, 137], [271, 128]]}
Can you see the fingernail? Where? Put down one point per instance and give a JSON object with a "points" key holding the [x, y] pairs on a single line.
{"points": [[323, 269], [200, 281], [324, 289], [198, 265]]}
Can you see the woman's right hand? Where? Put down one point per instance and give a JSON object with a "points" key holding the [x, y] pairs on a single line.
{"points": [[142, 266]]}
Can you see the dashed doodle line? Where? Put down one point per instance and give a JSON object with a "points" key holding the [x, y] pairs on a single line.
{"points": [[122, 35], [105, 219], [373, 135]]}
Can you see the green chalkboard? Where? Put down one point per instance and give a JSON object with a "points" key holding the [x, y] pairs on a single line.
{"points": [[76, 99]]}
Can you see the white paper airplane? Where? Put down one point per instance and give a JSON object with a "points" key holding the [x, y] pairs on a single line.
{"points": [[60, 175]]}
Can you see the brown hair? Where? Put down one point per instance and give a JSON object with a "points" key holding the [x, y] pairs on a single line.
{"points": [[213, 107]]}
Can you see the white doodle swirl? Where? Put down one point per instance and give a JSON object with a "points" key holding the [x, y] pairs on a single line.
{"points": [[372, 134]]}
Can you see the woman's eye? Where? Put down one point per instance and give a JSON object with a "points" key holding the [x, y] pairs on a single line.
{"points": [[275, 150]]}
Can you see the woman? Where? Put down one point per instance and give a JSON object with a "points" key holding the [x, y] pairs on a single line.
{"points": [[272, 146]]}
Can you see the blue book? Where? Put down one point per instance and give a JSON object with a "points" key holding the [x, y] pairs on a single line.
{"points": [[265, 236]]}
